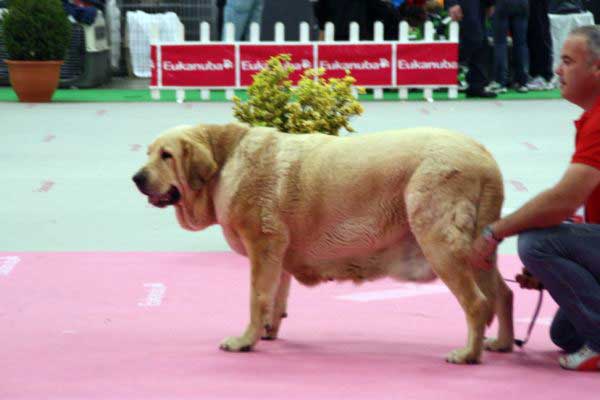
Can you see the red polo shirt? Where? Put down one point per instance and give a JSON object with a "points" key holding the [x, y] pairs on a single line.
{"points": [[587, 151]]}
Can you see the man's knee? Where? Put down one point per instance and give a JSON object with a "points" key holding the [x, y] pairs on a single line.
{"points": [[528, 245]]}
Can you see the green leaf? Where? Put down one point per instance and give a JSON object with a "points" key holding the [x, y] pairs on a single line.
{"points": [[36, 30]]}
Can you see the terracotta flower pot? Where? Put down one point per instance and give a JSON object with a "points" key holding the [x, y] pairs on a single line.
{"points": [[34, 81]]}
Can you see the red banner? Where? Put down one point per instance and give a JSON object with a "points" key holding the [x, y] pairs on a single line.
{"points": [[198, 65], [370, 64], [211, 65], [426, 64], [253, 58]]}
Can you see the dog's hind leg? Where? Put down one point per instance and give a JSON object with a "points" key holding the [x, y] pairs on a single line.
{"points": [[442, 212], [444, 246], [280, 307], [491, 282], [504, 311], [456, 274]]}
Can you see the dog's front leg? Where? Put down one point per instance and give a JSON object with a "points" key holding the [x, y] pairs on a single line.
{"points": [[265, 256], [280, 307]]}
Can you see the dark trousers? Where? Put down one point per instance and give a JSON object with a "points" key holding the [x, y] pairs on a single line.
{"points": [[510, 16], [539, 40], [472, 43], [566, 260]]}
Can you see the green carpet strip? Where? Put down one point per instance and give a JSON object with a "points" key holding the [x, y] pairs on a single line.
{"points": [[143, 95]]}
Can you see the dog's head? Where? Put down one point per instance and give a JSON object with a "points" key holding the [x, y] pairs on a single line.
{"points": [[180, 163]]}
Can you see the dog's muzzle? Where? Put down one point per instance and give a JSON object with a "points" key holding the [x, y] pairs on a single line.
{"points": [[172, 196], [167, 199]]}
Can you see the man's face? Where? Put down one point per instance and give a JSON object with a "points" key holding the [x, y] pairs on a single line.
{"points": [[579, 75]]}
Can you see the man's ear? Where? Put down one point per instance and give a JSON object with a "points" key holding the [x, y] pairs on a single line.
{"points": [[198, 164]]}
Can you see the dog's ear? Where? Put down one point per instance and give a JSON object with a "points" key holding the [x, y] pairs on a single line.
{"points": [[198, 164]]}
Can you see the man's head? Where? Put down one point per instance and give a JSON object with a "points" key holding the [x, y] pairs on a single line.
{"points": [[579, 70]]}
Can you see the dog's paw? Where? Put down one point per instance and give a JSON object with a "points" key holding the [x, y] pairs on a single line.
{"points": [[270, 332], [493, 344], [463, 356], [236, 343]]}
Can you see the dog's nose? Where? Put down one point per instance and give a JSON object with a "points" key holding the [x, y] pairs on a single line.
{"points": [[140, 180]]}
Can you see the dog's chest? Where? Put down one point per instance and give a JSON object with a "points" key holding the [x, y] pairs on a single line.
{"points": [[224, 195]]}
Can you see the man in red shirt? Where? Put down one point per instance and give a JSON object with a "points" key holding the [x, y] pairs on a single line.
{"points": [[565, 257]]}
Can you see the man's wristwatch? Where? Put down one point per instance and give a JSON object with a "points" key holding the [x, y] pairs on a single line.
{"points": [[489, 235]]}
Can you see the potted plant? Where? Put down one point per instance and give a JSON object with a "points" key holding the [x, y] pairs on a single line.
{"points": [[316, 104], [37, 34]]}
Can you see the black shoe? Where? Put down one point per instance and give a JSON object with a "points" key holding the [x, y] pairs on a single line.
{"points": [[481, 93]]}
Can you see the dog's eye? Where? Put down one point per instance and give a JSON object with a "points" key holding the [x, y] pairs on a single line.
{"points": [[165, 154]]}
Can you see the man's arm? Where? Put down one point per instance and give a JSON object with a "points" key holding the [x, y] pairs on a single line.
{"points": [[547, 209], [552, 206]]}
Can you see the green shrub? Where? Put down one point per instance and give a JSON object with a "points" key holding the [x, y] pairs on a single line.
{"points": [[315, 105], [36, 30]]}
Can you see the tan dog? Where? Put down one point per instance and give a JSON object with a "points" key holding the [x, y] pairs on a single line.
{"points": [[404, 204]]}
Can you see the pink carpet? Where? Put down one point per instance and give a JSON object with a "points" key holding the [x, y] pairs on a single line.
{"points": [[147, 326]]}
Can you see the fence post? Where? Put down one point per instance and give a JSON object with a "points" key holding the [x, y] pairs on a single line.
{"points": [[403, 91], [180, 93], [429, 31], [204, 38], [279, 32], [155, 40], [254, 32], [230, 38], [378, 36], [354, 38], [329, 32], [453, 91], [304, 32]]}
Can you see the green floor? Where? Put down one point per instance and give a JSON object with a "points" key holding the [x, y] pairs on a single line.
{"points": [[143, 95]]}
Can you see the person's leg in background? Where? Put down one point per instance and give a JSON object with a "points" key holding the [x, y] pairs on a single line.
{"points": [[539, 42], [518, 27], [566, 260], [472, 43], [238, 12], [220, 18], [500, 28], [257, 12]]}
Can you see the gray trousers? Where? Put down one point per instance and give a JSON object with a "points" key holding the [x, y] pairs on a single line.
{"points": [[566, 260], [242, 13]]}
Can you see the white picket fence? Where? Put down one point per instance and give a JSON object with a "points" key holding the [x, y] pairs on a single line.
{"points": [[229, 35]]}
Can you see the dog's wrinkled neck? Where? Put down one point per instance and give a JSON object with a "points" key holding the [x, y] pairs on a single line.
{"points": [[196, 211]]}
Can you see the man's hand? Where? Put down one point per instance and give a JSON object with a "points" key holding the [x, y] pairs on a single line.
{"points": [[482, 252], [456, 13], [527, 281]]}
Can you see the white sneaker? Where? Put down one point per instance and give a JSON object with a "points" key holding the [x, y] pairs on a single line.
{"points": [[585, 359], [539, 83], [495, 87], [521, 88]]}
